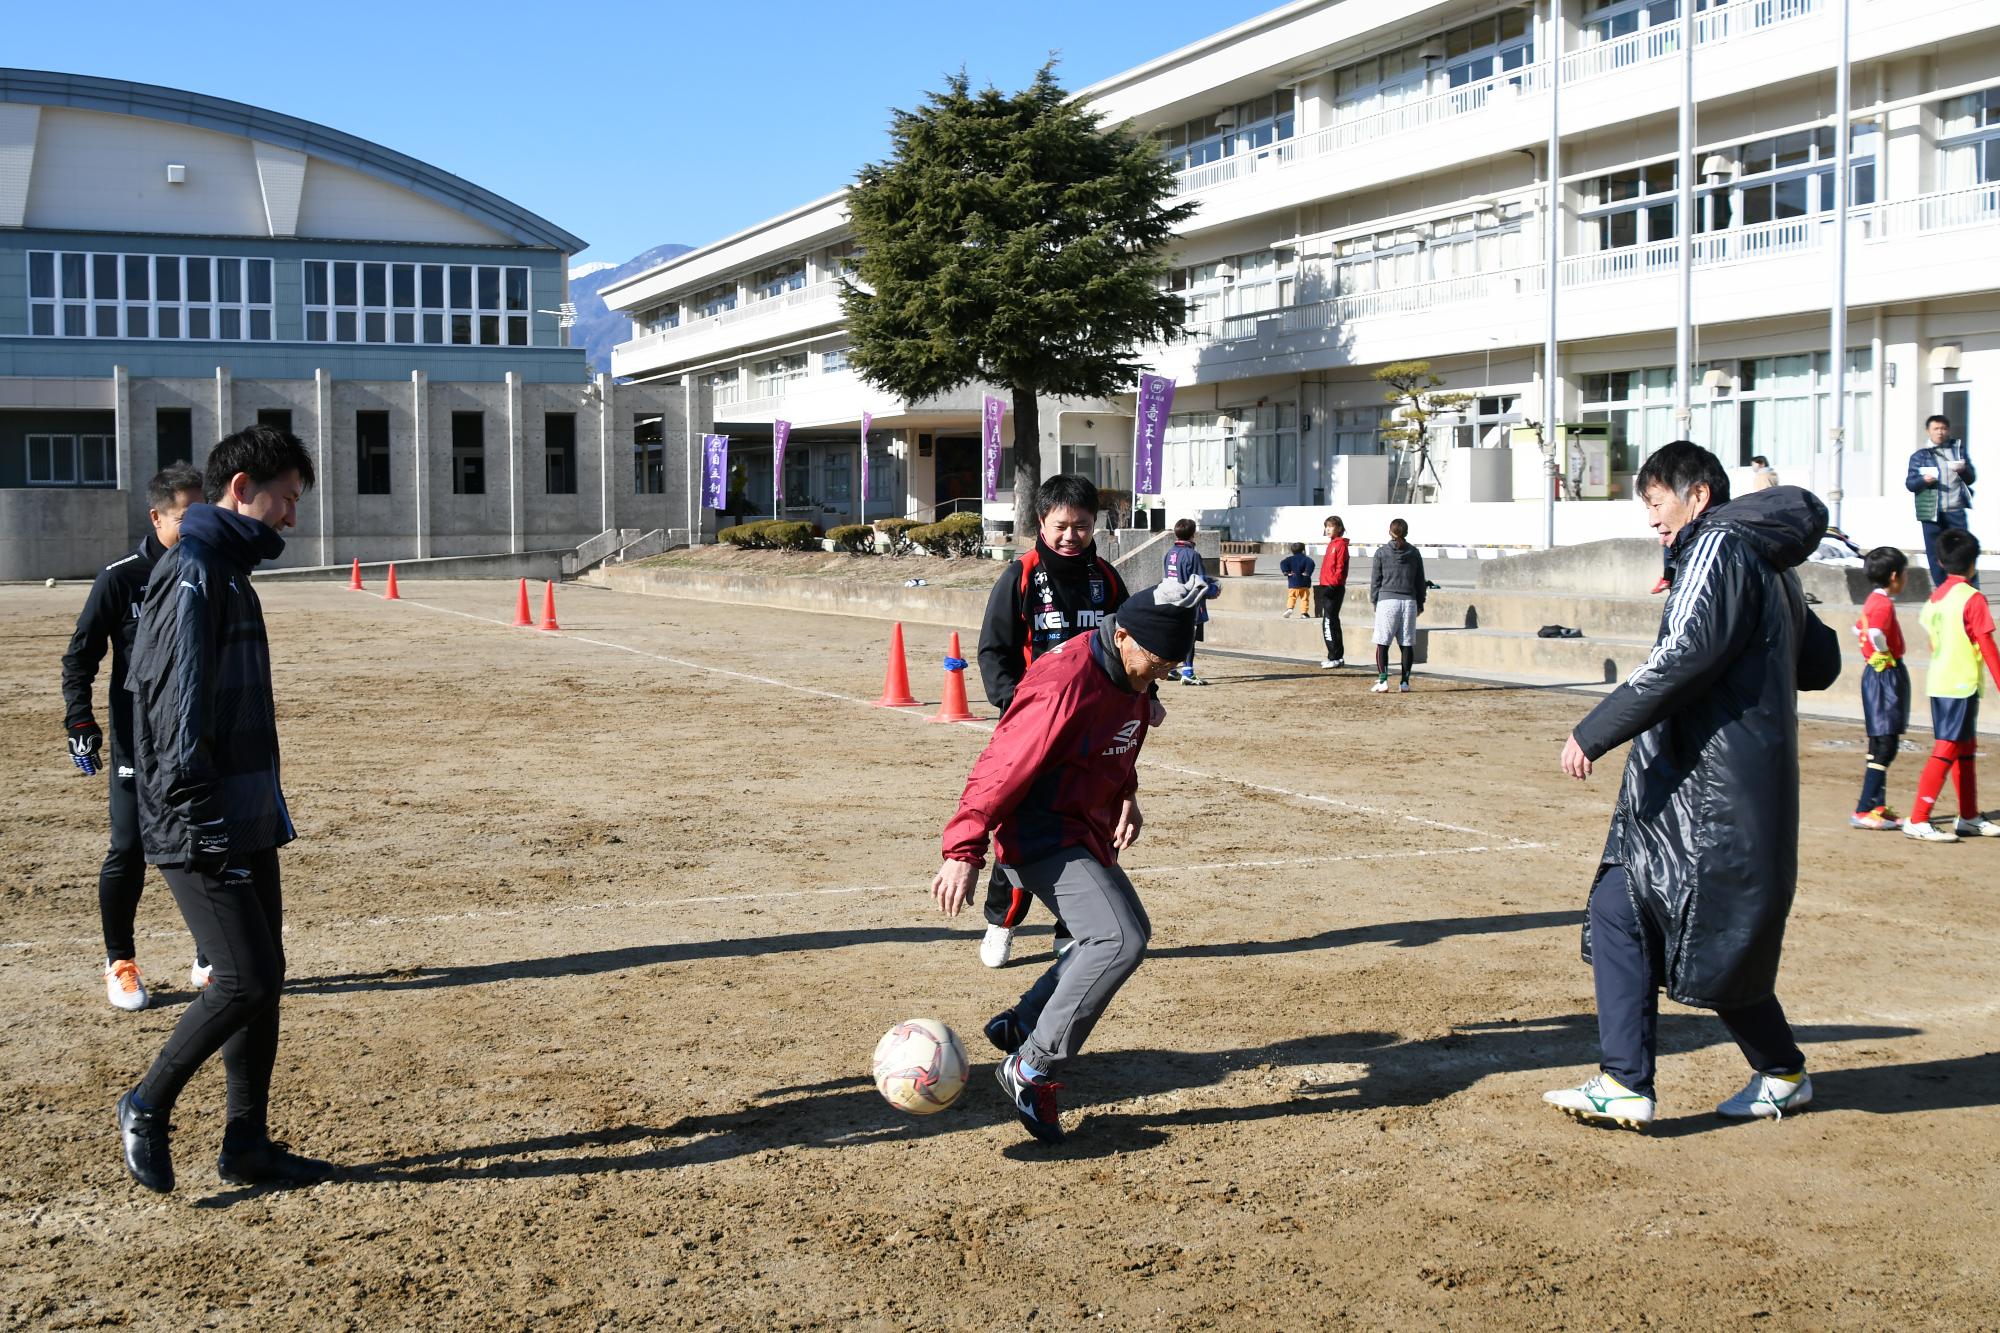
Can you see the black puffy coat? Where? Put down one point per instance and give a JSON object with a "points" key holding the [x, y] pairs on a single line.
{"points": [[205, 729], [1708, 811]]}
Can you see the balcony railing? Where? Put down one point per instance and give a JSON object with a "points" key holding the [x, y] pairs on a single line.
{"points": [[1952, 210], [792, 300], [1727, 22]]}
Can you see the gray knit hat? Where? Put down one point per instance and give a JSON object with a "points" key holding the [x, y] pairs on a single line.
{"points": [[1161, 618]]}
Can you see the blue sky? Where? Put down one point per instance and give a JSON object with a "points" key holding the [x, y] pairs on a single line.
{"points": [[630, 124]]}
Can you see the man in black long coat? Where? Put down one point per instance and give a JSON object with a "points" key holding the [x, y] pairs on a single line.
{"points": [[1698, 872]]}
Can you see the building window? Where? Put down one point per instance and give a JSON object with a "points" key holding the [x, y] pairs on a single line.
{"points": [[73, 294], [1783, 409], [1194, 448], [1203, 289], [837, 469], [72, 460], [657, 320], [649, 456], [173, 436], [777, 280], [771, 378], [885, 476], [1627, 208], [1488, 48], [725, 387], [1267, 445], [1638, 405], [713, 301], [559, 453], [468, 453], [1969, 140], [1243, 128], [371, 452], [1358, 430], [466, 305], [833, 360], [277, 418]]}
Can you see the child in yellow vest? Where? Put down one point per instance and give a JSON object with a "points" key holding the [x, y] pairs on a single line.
{"points": [[1960, 625]]}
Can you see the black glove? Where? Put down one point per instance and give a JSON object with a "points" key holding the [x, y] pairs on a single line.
{"points": [[208, 849], [86, 741]]}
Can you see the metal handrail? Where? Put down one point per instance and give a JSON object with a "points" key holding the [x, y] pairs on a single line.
{"points": [[953, 507]]}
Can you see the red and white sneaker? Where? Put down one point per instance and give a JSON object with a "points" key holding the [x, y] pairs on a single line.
{"points": [[1034, 1099]]}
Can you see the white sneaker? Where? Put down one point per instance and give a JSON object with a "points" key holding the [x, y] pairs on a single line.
{"points": [[1327, 664], [1379, 687], [199, 976], [1925, 831], [1768, 1097], [123, 985], [1605, 1101], [1981, 827], [997, 947]]}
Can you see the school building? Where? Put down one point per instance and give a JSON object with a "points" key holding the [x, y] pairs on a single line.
{"points": [[1373, 185]]}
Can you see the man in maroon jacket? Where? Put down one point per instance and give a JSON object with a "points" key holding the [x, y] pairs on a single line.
{"points": [[1055, 790]]}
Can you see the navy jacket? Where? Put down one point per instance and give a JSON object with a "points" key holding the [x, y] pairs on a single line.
{"points": [[1708, 812], [1940, 458], [109, 618], [205, 728]]}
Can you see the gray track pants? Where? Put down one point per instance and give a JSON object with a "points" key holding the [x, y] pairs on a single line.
{"points": [[1103, 912]]}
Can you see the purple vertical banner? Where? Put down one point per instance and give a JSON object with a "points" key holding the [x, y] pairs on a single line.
{"points": [[861, 509], [990, 411], [781, 434], [714, 471], [1156, 402]]}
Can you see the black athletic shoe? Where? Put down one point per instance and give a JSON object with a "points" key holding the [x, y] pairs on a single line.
{"points": [[262, 1162], [1004, 1030], [1034, 1100], [144, 1135]]}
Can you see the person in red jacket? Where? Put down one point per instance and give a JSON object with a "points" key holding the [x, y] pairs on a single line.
{"points": [[1056, 790], [1331, 591]]}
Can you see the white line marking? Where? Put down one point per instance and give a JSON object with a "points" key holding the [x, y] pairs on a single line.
{"points": [[1266, 788], [649, 904]]}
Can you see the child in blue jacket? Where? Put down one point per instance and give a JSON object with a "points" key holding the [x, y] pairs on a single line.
{"points": [[1185, 564]]}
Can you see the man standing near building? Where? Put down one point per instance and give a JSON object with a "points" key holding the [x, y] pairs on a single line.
{"points": [[1697, 875], [110, 617], [1941, 476], [211, 813]]}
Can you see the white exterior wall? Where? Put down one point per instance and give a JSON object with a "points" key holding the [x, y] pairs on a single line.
{"points": [[1923, 278]]}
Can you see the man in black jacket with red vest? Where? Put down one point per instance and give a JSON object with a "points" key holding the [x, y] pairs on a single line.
{"points": [[1060, 589], [109, 618], [211, 812]]}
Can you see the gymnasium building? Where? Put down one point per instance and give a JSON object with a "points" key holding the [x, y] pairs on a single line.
{"points": [[175, 267]]}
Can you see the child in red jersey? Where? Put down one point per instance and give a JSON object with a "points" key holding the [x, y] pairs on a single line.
{"points": [[1960, 626], [1885, 689]]}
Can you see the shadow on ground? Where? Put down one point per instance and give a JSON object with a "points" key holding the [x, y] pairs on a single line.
{"points": [[1321, 1075]]}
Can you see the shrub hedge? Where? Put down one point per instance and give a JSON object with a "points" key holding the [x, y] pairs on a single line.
{"points": [[897, 530], [853, 538], [959, 535]]}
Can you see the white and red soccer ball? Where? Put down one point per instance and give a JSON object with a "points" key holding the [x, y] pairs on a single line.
{"points": [[920, 1066]]}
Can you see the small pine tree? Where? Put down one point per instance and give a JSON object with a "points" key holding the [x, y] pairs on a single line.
{"points": [[1412, 388], [1014, 240]]}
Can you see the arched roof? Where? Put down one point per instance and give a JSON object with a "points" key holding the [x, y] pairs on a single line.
{"points": [[118, 96]]}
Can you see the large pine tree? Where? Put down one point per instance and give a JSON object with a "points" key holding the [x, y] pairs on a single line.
{"points": [[1014, 240]]}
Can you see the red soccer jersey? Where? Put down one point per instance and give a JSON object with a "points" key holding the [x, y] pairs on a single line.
{"points": [[1059, 765], [1878, 614]]}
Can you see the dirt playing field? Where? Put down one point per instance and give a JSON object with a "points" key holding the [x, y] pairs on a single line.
{"points": [[591, 935]]}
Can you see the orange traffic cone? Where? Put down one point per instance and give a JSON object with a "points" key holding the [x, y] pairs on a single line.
{"points": [[896, 681], [354, 579], [953, 708], [521, 605], [392, 595], [549, 608]]}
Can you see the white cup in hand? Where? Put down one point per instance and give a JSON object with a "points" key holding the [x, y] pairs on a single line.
{"points": [[1928, 473], [1958, 465]]}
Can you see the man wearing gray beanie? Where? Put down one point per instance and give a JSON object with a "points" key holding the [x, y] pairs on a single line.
{"points": [[1056, 790]]}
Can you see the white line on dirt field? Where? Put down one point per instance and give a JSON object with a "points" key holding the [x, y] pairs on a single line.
{"points": [[913, 889], [1266, 788]]}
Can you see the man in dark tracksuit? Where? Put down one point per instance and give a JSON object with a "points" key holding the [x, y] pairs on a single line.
{"points": [[1059, 590], [1057, 791], [211, 812], [110, 617]]}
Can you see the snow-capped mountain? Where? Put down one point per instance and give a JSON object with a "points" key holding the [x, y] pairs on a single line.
{"points": [[599, 330]]}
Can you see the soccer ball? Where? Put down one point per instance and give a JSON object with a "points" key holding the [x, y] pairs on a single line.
{"points": [[920, 1066]]}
